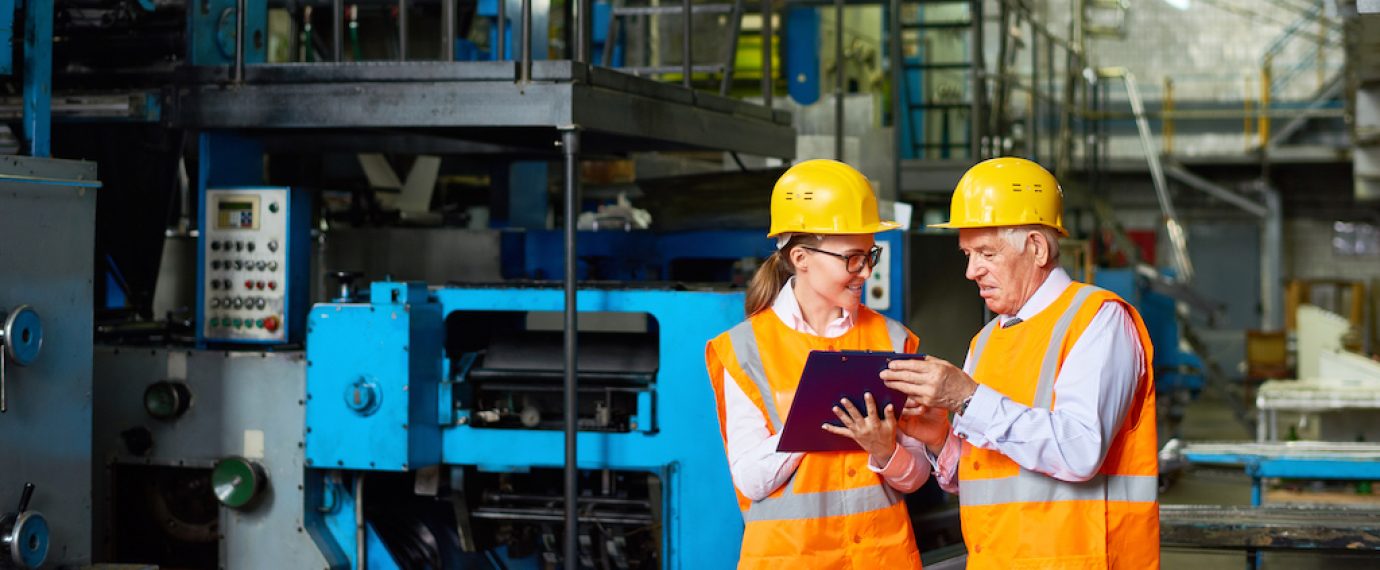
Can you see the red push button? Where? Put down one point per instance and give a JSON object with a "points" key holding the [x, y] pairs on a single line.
{"points": [[248, 283], [260, 285], [272, 285], [271, 324]]}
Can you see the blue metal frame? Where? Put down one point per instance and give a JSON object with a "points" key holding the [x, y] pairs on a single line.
{"points": [[38, 73], [211, 32], [395, 342], [647, 256], [1260, 467]]}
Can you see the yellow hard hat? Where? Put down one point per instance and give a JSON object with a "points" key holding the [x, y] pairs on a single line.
{"points": [[1006, 191], [825, 197]]}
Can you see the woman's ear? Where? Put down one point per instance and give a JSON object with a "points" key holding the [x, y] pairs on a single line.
{"points": [[798, 259]]}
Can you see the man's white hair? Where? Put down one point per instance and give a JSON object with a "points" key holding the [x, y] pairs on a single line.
{"points": [[1016, 236]]}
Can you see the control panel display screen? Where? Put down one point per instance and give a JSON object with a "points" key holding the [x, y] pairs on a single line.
{"points": [[236, 214]]}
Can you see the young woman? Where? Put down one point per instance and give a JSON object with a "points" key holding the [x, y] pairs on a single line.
{"points": [[815, 510]]}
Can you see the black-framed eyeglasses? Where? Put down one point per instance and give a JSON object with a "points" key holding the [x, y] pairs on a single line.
{"points": [[853, 262]]}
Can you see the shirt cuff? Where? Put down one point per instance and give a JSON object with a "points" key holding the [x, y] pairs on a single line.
{"points": [[896, 467], [974, 424]]}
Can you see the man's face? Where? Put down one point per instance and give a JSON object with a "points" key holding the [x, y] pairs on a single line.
{"points": [[1003, 273]]}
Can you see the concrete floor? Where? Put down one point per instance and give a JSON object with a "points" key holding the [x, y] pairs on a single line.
{"points": [[1210, 419]]}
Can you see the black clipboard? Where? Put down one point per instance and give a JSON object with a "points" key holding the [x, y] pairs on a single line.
{"points": [[827, 378]]}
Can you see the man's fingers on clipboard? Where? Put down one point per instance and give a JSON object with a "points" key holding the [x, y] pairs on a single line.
{"points": [[914, 410], [844, 416]]}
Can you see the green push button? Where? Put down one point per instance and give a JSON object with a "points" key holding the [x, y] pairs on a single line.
{"points": [[215, 322], [259, 323], [273, 207], [238, 322], [236, 481]]}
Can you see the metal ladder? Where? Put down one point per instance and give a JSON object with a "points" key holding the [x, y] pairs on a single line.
{"points": [[920, 103]]}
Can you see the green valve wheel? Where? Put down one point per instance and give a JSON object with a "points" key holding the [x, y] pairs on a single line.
{"points": [[237, 481]]}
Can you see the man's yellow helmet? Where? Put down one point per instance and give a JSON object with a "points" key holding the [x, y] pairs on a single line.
{"points": [[1007, 191], [825, 197]]}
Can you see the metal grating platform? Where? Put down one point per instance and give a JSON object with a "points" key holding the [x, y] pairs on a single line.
{"points": [[481, 101]]}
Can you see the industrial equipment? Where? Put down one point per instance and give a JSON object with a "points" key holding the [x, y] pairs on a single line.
{"points": [[49, 209], [200, 456], [252, 286], [453, 395]]}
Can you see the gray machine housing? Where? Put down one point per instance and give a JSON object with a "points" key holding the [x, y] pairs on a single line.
{"points": [[47, 225], [247, 404]]}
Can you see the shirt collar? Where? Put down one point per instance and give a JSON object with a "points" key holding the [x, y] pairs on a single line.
{"points": [[787, 308], [1044, 296]]}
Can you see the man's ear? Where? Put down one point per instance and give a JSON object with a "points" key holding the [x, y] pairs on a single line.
{"points": [[1042, 254]]}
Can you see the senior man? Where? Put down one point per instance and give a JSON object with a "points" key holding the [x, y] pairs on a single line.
{"points": [[1052, 446]]}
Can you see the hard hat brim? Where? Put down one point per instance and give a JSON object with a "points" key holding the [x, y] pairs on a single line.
{"points": [[953, 226], [879, 227]]}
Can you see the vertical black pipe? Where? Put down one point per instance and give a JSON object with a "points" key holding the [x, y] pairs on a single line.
{"points": [[979, 69], [582, 31], [686, 44], [898, 90], [838, 80], [402, 30], [570, 147], [766, 53], [239, 41], [448, 30], [525, 69], [338, 31]]}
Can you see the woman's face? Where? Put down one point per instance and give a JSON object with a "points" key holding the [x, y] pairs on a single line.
{"points": [[825, 276]]}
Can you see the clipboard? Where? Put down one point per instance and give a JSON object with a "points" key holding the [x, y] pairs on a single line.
{"points": [[827, 378]]}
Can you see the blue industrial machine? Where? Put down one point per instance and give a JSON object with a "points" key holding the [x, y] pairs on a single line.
{"points": [[711, 256], [1179, 371], [1177, 367], [467, 380], [253, 261]]}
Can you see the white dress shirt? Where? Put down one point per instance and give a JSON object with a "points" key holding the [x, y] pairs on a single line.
{"points": [[757, 468], [1094, 388]]}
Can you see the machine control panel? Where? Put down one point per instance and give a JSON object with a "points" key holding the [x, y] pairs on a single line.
{"points": [[253, 265]]}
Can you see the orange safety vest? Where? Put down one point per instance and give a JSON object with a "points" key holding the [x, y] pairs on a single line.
{"points": [[835, 512], [1017, 518]]}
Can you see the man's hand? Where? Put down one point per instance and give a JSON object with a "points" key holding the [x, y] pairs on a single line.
{"points": [[929, 425], [930, 382], [875, 433]]}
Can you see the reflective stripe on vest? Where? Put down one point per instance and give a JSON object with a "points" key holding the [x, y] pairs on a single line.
{"points": [[792, 506], [745, 347], [1031, 487], [897, 332], [789, 505]]}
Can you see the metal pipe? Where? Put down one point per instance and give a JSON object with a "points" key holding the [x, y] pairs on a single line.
{"points": [[502, 31], [1264, 130], [766, 53], [239, 40], [448, 29], [570, 147], [686, 44], [736, 25], [838, 80], [338, 31], [525, 68], [582, 31], [1177, 236], [1167, 122], [898, 75], [361, 528], [978, 68], [402, 30], [1271, 260]]}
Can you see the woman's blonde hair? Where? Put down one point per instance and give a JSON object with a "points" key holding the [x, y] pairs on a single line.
{"points": [[772, 275]]}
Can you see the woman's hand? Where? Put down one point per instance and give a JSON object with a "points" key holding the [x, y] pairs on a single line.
{"points": [[876, 433]]}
